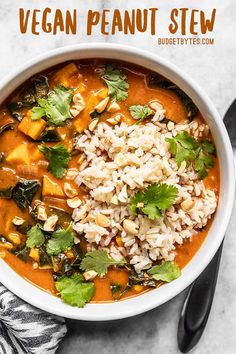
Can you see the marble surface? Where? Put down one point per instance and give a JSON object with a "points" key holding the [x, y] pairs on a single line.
{"points": [[214, 68]]}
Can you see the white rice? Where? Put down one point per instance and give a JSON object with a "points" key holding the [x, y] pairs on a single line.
{"points": [[123, 159]]}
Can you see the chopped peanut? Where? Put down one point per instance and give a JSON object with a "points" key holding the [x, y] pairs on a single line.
{"points": [[102, 220], [90, 275], [15, 238]]}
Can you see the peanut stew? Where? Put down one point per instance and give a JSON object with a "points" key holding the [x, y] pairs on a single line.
{"points": [[109, 180]]}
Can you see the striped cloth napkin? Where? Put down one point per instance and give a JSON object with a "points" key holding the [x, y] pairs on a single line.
{"points": [[25, 329]]}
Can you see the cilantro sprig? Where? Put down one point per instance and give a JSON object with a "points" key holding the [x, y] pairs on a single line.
{"points": [[35, 237], [154, 200], [56, 107], [99, 262], [140, 112], [60, 241], [74, 290], [116, 82], [58, 157], [200, 153], [166, 271]]}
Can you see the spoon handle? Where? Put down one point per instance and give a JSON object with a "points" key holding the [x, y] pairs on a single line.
{"points": [[197, 305]]}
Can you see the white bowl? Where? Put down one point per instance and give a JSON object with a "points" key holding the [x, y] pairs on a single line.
{"points": [[153, 298]]}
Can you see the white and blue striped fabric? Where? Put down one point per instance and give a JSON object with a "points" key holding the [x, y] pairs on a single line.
{"points": [[25, 329]]}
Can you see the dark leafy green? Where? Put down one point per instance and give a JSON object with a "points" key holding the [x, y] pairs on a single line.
{"points": [[44, 259], [37, 89], [94, 115], [50, 135], [6, 193], [15, 109], [22, 253], [6, 124], [24, 192], [115, 288]]}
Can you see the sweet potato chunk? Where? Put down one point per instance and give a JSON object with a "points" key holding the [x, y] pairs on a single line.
{"points": [[32, 128], [63, 75], [50, 188], [19, 155]]}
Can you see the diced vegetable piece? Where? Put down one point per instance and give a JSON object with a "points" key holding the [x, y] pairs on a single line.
{"points": [[103, 93], [119, 241], [32, 128], [34, 254], [63, 75], [81, 88], [92, 102], [50, 188], [19, 155], [79, 125], [138, 288]]}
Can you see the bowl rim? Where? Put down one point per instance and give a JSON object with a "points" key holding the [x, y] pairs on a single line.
{"points": [[144, 302]]}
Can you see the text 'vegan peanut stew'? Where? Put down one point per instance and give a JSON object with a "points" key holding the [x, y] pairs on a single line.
{"points": [[109, 180]]}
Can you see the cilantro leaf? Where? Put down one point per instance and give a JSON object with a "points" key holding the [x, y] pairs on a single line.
{"points": [[154, 200], [207, 146], [74, 291], [185, 148], [99, 262], [140, 112], [201, 164], [58, 157], [56, 107], [115, 80], [166, 271], [60, 241], [35, 237]]}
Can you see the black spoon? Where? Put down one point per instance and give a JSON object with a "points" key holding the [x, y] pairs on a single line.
{"points": [[197, 305]]}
